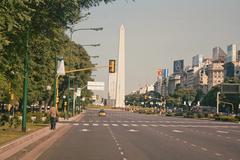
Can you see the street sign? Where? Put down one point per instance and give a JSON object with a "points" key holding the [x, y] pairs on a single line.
{"points": [[230, 88], [60, 67], [95, 86], [78, 92]]}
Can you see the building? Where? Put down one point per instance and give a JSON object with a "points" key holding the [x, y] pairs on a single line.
{"points": [[238, 56], [201, 80], [231, 53], [232, 70], [197, 60], [215, 73], [143, 90], [150, 88], [161, 86], [173, 81], [218, 55]]}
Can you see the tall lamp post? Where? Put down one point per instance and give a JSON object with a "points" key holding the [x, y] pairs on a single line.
{"points": [[72, 30], [25, 85]]}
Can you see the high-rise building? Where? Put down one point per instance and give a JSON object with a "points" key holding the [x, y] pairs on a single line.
{"points": [[201, 80], [173, 81], [238, 56], [231, 53], [215, 73], [197, 60], [218, 55], [232, 69]]}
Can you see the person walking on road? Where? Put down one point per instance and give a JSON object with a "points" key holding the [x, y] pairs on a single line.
{"points": [[53, 117]]}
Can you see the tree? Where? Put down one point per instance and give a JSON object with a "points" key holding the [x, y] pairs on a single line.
{"points": [[46, 20]]}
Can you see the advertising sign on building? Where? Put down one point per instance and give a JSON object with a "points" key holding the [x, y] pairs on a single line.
{"points": [[159, 72], [178, 66], [95, 86]]}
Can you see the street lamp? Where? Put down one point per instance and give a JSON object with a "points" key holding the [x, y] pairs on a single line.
{"points": [[25, 85], [91, 45], [72, 30]]}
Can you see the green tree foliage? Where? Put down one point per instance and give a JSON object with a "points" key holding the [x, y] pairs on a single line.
{"points": [[46, 21], [186, 94], [211, 98]]}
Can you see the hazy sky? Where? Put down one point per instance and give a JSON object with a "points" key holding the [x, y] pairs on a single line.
{"points": [[158, 32]]}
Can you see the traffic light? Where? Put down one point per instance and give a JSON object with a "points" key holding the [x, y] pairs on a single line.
{"points": [[112, 66]]}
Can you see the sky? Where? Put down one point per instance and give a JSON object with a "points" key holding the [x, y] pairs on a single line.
{"points": [[157, 33]]}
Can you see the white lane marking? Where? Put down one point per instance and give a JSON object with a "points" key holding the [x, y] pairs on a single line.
{"points": [[177, 139], [85, 130], [193, 145], [76, 124], [119, 148], [153, 125], [177, 131], [133, 130], [125, 125], [133, 121], [121, 153], [118, 144], [105, 124], [124, 158], [135, 125], [218, 154], [204, 149], [86, 124], [185, 142], [222, 132], [115, 125], [94, 124], [238, 139], [144, 125]]}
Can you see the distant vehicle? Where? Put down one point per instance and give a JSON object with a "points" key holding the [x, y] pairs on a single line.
{"points": [[102, 113]]}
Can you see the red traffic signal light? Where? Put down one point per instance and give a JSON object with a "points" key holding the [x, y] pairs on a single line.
{"points": [[112, 66]]}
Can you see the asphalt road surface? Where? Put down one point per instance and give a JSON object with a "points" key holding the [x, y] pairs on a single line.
{"points": [[131, 136]]}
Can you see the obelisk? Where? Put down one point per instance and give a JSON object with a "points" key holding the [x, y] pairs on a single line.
{"points": [[120, 89]]}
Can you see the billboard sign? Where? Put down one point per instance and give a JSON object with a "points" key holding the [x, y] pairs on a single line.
{"points": [[159, 72], [95, 86], [230, 88], [178, 66]]}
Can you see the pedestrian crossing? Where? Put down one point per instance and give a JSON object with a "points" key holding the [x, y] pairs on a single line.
{"points": [[147, 124]]}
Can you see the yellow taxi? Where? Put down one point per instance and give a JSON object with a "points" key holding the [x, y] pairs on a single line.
{"points": [[102, 113]]}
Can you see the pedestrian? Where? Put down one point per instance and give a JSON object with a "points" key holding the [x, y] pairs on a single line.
{"points": [[53, 117]]}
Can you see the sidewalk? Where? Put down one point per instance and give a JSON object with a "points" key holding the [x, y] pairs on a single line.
{"points": [[19, 148]]}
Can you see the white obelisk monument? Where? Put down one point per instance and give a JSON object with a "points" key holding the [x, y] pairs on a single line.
{"points": [[120, 89]]}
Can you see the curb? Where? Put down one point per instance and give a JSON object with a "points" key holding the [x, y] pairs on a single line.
{"points": [[18, 144]]}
